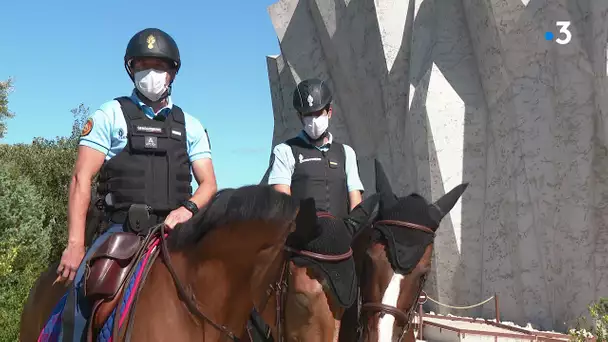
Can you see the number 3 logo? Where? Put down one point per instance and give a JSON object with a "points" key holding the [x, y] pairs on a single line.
{"points": [[563, 28]]}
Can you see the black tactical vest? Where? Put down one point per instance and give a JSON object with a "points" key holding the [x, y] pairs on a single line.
{"points": [[153, 168], [320, 175]]}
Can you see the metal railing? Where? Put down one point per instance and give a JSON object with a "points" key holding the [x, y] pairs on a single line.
{"points": [[424, 297], [529, 334]]}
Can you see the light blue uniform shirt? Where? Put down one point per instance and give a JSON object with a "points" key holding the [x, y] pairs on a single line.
{"points": [[109, 132], [284, 164]]}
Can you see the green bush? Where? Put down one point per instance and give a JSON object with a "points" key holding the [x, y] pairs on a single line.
{"points": [[34, 181], [48, 165], [25, 245], [599, 326]]}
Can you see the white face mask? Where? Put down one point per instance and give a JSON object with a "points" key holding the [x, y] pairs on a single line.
{"points": [[315, 126], [151, 83]]}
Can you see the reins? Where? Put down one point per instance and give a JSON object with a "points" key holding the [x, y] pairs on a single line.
{"points": [[279, 288], [188, 299]]}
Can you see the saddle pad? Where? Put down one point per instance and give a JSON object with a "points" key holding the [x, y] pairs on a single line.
{"points": [[52, 328], [340, 277], [334, 240]]}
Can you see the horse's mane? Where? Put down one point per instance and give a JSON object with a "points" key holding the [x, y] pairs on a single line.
{"points": [[229, 206]]}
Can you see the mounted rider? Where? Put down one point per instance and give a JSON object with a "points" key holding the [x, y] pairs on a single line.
{"points": [[313, 164], [144, 148]]}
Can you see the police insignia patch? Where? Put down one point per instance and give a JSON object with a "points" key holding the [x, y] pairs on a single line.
{"points": [[88, 126], [151, 40], [310, 100]]}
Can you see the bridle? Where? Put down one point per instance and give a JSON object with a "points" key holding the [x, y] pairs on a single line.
{"points": [[400, 315], [279, 288], [189, 300], [187, 297]]}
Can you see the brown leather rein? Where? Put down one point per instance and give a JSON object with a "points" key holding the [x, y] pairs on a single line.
{"points": [[399, 315], [189, 299]]}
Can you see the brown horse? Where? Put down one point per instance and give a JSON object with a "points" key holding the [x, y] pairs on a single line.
{"points": [[226, 261], [393, 258], [321, 282]]}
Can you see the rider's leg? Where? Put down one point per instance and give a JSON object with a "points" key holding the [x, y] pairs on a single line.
{"points": [[77, 309]]}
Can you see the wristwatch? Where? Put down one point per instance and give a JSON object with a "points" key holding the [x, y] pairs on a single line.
{"points": [[193, 208]]}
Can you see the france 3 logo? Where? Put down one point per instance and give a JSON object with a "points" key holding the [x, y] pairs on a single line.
{"points": [[564, 35]]}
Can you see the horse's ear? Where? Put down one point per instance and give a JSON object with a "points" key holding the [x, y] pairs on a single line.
{"points": [[383, 186], [442, 207], [307, 228], [363, 214]]}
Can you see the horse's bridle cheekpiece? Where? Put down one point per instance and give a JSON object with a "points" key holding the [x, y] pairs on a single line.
{"points": [[399, 315]]}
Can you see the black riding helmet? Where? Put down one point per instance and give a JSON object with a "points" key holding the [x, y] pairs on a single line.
{"points": [[152, 42], [311, 95]]}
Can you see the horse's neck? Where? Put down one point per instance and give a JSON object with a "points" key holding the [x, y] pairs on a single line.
{"points": [[231, 269], [217, 294]]}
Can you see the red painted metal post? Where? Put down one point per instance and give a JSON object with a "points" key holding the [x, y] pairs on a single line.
{"points": [[497, 307]]}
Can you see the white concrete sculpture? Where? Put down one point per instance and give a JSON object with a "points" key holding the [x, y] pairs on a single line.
{"points": [[451, 91]]}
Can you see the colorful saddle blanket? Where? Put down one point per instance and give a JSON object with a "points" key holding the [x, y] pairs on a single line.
{"points": [[52, 329]]}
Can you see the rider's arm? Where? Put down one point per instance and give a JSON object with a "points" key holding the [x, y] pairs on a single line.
{"points": [[199, 152], [94, 144], [88, 163], [205, 177], [354, 198], [353, 182], [282, 168], [286, 189]]}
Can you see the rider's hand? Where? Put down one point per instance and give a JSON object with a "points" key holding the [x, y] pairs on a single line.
{"points": [[70, 260], [177, 216]]}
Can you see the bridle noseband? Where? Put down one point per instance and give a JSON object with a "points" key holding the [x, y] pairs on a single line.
{"points": [[381, 308]]}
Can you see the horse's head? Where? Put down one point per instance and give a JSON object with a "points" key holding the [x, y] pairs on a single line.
{"points": [[302, 230], [238, 245], [394, 258]]}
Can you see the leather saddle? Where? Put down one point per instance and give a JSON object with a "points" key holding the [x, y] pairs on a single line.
{"points": [[106, 273], [107, 268]]}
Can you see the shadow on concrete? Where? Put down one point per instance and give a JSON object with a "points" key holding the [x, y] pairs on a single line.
{"points": [[441, 39]]}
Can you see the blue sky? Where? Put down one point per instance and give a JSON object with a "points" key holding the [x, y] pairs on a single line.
{"points": [[62, 55]]}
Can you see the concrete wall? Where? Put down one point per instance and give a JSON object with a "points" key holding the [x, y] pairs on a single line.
{"points": [[446, 91]]}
